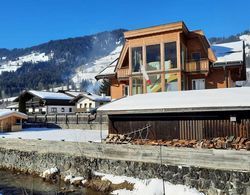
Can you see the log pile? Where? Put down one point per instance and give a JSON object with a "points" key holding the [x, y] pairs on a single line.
{"points": [[229, 142]]}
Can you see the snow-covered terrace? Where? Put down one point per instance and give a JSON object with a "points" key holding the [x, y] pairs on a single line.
{"points": [[182, 101]]}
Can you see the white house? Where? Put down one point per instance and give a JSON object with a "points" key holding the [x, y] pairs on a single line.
{"points": [[86, 102]]}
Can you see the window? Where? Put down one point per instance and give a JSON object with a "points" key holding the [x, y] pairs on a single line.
{"points": [[18, 121], [171, 82], [62, 109], [155, 83], [54, 110], [153, 57], [85, 105], [90, 105], [125, 90], [170, 55], [198, 84], [137, 85], [136, 59], [196, 56], [80, 105], [70, 109]]}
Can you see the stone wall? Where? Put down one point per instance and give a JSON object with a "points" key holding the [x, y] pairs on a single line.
{"points": [[231, 176]]}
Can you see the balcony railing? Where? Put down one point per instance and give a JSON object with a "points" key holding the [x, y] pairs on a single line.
{"points": [[196, 66], [122, 73]]}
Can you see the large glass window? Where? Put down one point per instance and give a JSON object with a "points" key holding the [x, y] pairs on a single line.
{"points": [[170, 55], [155, 85], [153, 57], [171, 82], [136, 59], [137, 85]]}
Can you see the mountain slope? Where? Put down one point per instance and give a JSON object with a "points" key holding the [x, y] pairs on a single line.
{"points": [[54, 63]]}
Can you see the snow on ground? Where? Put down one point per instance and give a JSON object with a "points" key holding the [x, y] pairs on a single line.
{"points": [[34, 57], [89, 71], [73, 135], [152, 186]]}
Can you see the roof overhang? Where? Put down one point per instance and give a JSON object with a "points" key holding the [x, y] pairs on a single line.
{"points": [[156, 29], [175, 110]]}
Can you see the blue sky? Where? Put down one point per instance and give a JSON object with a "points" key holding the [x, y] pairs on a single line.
{"points": [[25, 23]]}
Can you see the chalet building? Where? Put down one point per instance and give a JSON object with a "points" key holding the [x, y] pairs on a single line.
{"points": [[85, 102], [43, 102], [192, 114], [11, 120], [171, 58]]}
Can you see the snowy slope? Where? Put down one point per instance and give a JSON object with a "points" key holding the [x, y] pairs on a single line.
{"points": [[90, 70], [13, 65]]}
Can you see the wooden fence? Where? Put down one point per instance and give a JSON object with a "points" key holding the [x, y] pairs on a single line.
{"points": [[67, 119]]}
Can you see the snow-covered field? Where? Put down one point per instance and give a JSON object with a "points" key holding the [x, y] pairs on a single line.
{"points": [[73, 135], [89, 71], [152, 186], [34, 57]]}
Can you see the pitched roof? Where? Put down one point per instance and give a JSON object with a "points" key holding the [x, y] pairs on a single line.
{"points": [[93, 97], [50, 95], [4, 113], [182, 101], [229, 53], [46, 95]]}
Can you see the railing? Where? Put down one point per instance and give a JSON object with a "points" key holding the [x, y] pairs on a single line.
{"points": [[195, 66], [124, 72]]}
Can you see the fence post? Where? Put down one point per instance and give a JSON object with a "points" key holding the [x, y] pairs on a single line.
{"points": [[66, 119], [76, 118], [56, 119]]}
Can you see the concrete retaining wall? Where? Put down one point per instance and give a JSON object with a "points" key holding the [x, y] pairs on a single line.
{"points": [[211, 171]]}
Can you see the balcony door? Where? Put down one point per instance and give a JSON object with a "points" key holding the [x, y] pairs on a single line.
{"points": [[198, 84]]}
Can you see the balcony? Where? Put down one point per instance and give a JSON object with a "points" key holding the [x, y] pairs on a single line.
{"points": [[122, 73], [197, 66]]}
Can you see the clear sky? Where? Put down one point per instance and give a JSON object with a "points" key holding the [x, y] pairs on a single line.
{"points": [[25, 23]]}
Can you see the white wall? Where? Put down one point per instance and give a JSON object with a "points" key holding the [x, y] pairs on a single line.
{"points": [[59, 109], [87, 103], [48, 109]]}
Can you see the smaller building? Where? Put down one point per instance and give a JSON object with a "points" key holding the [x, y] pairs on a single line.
{"points": [[11, 120], [193, 114], [86, 102], [42, 102]]}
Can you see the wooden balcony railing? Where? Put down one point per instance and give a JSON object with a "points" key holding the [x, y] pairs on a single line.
{"points": [[122, 73], [196, 66]]}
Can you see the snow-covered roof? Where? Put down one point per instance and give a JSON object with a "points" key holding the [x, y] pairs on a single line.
{"points": [[108, 71], [229, 53], [4, 113], [50, 95], [97, 98], [182, 101], [10, 99], [73, 93], [93, 97]]}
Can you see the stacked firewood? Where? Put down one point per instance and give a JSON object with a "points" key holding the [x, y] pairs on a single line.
{"points": [[216, 143], [117, 139]]}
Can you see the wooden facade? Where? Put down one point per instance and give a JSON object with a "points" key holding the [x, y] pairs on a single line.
{"points": [[11, 122], [197, 125], [174, 58]]}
